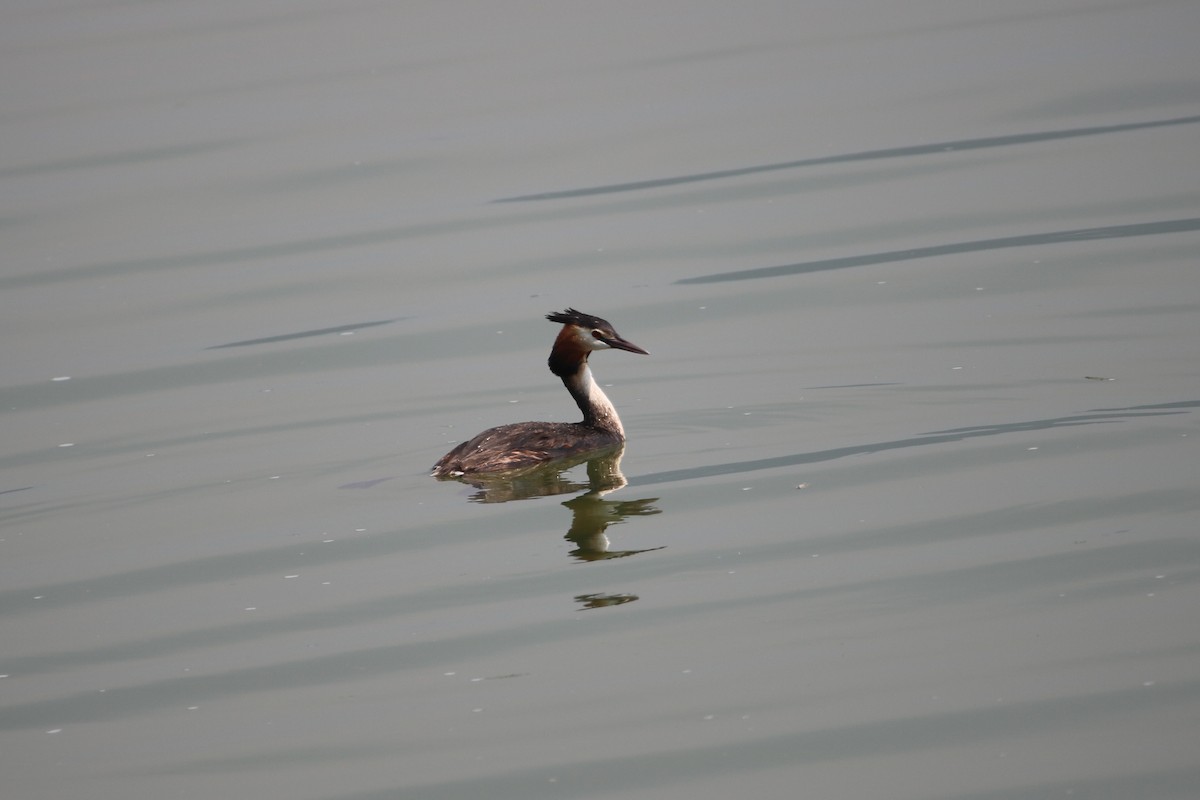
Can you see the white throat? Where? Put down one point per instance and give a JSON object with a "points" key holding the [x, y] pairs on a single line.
{"points": [[600, 409]]}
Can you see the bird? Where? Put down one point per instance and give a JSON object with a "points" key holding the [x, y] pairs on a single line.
{"points": [[528, 444]]}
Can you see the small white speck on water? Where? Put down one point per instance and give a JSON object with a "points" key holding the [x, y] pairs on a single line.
{"points": [[67, 444], [1031, 448], [251, 608], [1147, 683], [55, 730], [273, 478], [347, 333], [192, 708], [61, 378], [291, 576], [802, 486], [957, 367]]}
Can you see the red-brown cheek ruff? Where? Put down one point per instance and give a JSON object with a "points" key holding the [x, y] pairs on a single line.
{"points": [[527, 444]]}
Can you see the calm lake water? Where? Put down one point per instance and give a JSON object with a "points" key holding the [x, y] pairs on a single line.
{"points": [[909, 507]]}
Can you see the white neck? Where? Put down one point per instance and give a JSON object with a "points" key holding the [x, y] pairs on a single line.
{"points": [[598, 410]]}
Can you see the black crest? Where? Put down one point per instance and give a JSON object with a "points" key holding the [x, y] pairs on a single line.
{"points": [[573, 317]]}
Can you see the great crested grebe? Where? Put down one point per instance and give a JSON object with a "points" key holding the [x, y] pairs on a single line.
{"points": [[526, 444]]}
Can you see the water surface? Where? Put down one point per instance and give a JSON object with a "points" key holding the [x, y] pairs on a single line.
{"points": [[909, 505]]}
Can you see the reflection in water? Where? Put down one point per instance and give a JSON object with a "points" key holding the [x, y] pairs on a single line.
{"points": [[591, 514], [591, 517], [604, 600]]}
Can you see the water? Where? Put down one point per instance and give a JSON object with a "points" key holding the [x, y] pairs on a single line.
{"points": [[909, 505]]}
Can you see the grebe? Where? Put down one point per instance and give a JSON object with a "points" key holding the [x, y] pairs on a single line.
{"points": [[526, 444]]}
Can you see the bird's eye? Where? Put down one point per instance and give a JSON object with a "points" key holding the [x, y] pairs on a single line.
{"points": [[598, 334]]}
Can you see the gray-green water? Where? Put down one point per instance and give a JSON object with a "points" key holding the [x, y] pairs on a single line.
{"points": [[911, 506]]}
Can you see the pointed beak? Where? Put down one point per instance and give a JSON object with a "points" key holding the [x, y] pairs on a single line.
{"points": [[617, 343]]}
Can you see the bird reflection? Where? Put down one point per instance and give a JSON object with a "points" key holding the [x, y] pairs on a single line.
{"points": [[604, 600], [591, 514]]}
